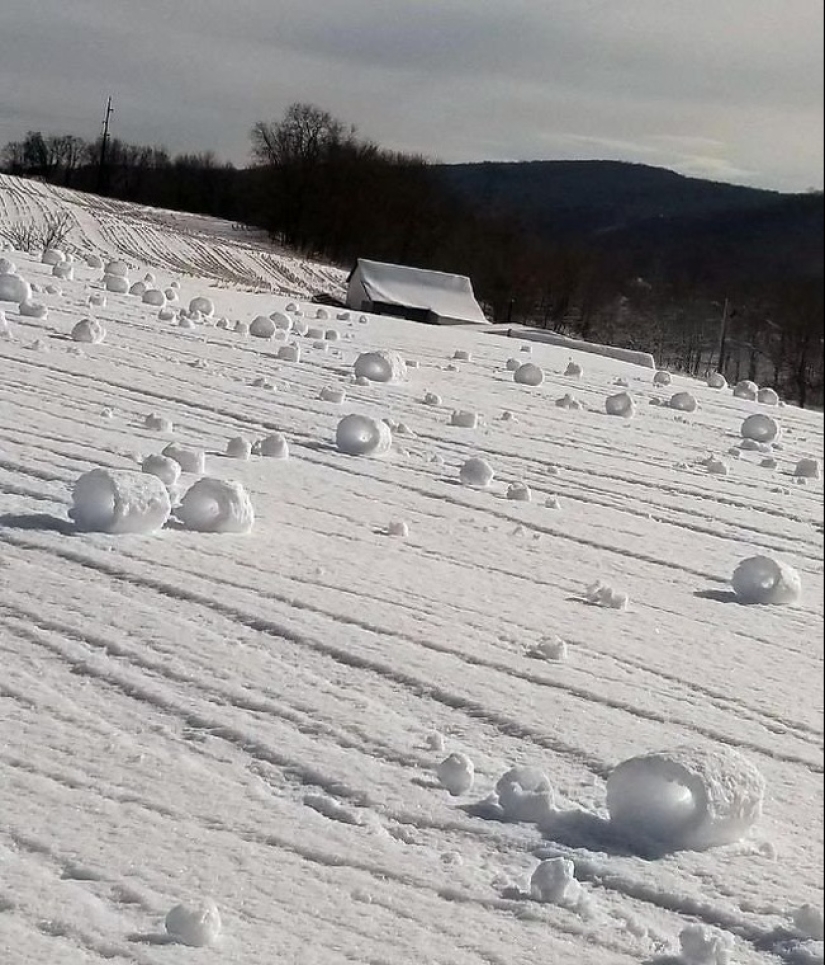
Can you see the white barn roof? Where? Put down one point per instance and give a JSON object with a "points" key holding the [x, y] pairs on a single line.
{"points": [[433, 296]]}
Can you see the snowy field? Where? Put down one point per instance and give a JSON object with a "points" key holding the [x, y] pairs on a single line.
{"points": [[261, 719]]}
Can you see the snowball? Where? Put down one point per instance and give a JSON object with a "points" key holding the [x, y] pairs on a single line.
{"points": [[333, 393], [116, 283], [13, 288], [767, 397], [166, 469], [691, 797], [715, 466], [549, 648], [358, 435], [462, 355], [290, 353], [88, 330], [119, 501], [808, 921], [262, 327], [601, 594], [7, 267], [525, 794], [435, 741], [760, 428], [398, 527], [568, 401], [746, 390], [139, 288], [456, 773], [769, 463], [683, 401], [320, 346], [98, 299], [333, 335], [166, 315], [431, 398], [574, 370], [216, 506], [554, 882], [464, 419], [274, 446], [322, 313], [528, 374], [118, 269], [153, 296], [53, 290], [170, 294], [203, 305], [520, 492], [383, 366], [239, 448], [315, 333], [32, 309], [760, 579], [299, 326], [808, 469], [477, 473], [703, 946], [198, 927], [189, 460], [512, 364], [621, 404], [186, 322], [241, 328], [281, 321], [662, 377], [93, 261], [158, 423], [64, 270]]}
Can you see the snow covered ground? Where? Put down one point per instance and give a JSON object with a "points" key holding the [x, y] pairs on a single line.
{"points": [[308, 724]]}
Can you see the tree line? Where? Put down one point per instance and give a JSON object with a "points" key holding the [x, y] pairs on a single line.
{"points": [[317, 186]]}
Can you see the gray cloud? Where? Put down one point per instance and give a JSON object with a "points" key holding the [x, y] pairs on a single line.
{"points": [[727, 90]]}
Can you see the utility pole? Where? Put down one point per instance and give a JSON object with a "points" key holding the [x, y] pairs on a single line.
{"points": [[723, 331], [104, 143]]}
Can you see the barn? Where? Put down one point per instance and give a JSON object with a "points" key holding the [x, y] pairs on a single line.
{"points": [[432, 297]]}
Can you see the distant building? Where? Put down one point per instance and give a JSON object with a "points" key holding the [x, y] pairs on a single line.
{"points": [[432, 297]]}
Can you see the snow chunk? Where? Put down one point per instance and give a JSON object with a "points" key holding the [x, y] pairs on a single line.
{"points": [[760, 579], [549, 648], [117, 269], [601, 594], [166, 315], [690, 797], [477, 473], [462, 355], [703, 946], [239, 448], [431, 398], [333, 393], [64, 270], [808, 921], [262, 327], [715, 466], [767, 397], [717, 381], [139, 288], [760, 428], [384, 366], [808, 469], [116, 283], [203, 305], [620, 404], [97, 299], [273, 446], [154, 296], [281, 321], [158, 423], [199, 926], [552, 502], [662, 377], [89, 330], [456, 773], [512, 364], [216, 506], [464, 419], [574, 370], [358, 435], [14, 288], [7, 267], [166, 469], [524, 794], [520, 492], [398, 527], [528, 374], [333, 335], [554, 882], [119, 501], [33, 309], [683, 401], [5, 330], [746, 390], [568, 401], [93, 261], [189, 460], [290, 353]]}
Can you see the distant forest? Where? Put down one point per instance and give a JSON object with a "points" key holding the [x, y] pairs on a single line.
{"points": [[703, 275]]}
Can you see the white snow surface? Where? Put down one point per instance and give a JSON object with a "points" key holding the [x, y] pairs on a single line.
{"points": [[249, 720]]}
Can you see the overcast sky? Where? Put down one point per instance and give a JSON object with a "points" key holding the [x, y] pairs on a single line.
{"points": [[724, 89]]}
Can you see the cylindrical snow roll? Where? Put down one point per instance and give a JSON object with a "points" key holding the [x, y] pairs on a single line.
{"points": [[119, 501], [690, 797], [216, 506]]}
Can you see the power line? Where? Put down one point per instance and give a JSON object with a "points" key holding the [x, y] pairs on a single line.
{"points": [[104, 143]]}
